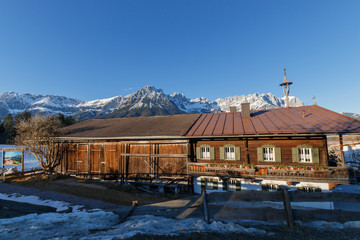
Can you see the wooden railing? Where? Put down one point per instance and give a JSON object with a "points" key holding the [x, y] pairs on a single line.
{"points": [[339, 175], [20, 174]]}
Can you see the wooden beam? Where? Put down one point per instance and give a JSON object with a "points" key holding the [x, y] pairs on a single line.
{"points": [[342, 157], [247, 155], [205, 206], [287, 207], [155, 155], [130, 212]]}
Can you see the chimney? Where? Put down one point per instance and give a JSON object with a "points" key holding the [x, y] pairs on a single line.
{"points": [[233, 109], [245, 109]]}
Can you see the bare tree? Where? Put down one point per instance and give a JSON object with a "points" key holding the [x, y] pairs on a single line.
{"points": [[37, 135]]}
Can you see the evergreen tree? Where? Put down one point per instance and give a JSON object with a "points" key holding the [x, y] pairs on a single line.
{"points": [[9, 128], [22, 116], [65, 121]]}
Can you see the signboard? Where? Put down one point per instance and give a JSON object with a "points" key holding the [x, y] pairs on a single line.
{"points": [[13, 157]]}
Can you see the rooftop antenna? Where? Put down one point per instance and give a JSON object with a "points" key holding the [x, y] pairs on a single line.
{"points": [[286, 86], [315, 103]]}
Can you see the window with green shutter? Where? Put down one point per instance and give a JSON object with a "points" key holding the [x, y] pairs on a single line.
{"points": [[205, 152], [305, 154], [229, 152], [269, 153]]}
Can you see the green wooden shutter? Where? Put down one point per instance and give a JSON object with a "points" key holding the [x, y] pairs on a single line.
{"points": [[237, 153], [212, 153], [238, 185], [277, 154], [215, 183], [315, 155], [198, 153], [222, 153], [202, 183], [225, 185], [260, 154], [295, 155]]}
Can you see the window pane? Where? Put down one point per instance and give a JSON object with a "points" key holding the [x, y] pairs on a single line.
{"points": [[305, 155]]}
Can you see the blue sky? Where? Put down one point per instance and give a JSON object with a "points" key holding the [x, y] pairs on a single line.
{"points": [[99, 49]]}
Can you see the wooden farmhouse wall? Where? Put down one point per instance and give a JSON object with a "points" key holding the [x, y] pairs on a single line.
{"points": [[127, 158], [249, 149]]}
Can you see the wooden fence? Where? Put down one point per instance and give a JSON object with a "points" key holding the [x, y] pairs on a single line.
{"points": [[21, 174], [237, 206]]}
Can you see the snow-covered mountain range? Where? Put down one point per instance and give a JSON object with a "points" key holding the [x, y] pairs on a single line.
{"points": [[148, 101]]}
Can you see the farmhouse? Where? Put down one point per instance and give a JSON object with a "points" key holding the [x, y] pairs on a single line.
{"points": [[227, 151]]}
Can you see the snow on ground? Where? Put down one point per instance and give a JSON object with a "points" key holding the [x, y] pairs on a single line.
{"points": [[98, 224], [103, 225], [331, 225], [55, 225], [348, 188], [30, 161], [148, 224], [79, 225], [59, 205]]}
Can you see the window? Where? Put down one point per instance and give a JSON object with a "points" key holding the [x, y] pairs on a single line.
{"points": [[209, 183], [229, 153], [205, 152], [269, 154], [270, 187], [305, 155], [234, 185], [309, 189]]}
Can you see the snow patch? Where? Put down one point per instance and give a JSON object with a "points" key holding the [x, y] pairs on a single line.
{"points": [[154, 225], [59, 205]]}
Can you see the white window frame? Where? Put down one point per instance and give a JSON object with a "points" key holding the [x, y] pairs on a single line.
{"points": [[209, 183], [231, 184], [205, 152], [269, 154], [229, 153], [305, 155]]}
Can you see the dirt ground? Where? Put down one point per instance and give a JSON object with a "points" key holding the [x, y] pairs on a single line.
{"points": [[106, 191], [278, 233]]}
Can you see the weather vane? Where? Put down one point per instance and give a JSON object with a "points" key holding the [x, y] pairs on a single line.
{"points": [[286, 86]]}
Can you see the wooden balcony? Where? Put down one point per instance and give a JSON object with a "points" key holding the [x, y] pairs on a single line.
{"points": [[338, 175]]}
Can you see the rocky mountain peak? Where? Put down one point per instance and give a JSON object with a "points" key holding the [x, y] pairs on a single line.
{"points": [[147, 101]]}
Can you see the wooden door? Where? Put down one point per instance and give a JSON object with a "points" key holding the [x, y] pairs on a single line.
{"points": [[82, 159]]}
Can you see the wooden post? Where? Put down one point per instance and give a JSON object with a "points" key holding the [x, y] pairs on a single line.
{"points": [[130, 212], [22, 161], [205, 206], [88, 161], [247, 155], [342, 157], [287, 207]]}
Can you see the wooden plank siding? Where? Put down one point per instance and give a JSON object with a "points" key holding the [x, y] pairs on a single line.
{"points": [[285, 143], [126, 158]]}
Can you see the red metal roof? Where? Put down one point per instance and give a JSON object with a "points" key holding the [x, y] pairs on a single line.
{"points": [[295, 120]]}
